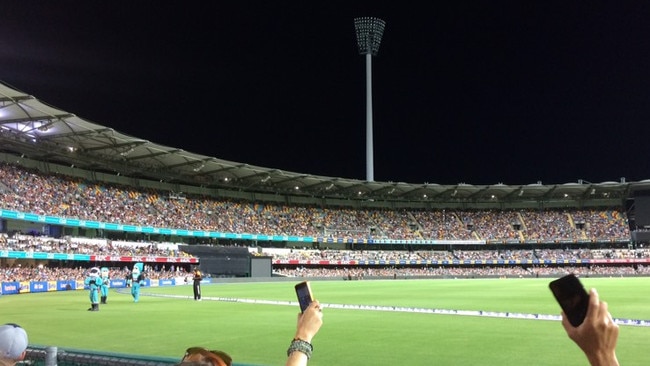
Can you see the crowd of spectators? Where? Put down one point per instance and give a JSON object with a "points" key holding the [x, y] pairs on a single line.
{"points": [[73, 245], [44, 194], [358, 273], [42, 272], [31, 192], [339, 261], [79, 245], [563, 254]]}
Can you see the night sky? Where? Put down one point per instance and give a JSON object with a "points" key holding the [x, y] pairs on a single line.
{"points": [[478, 92]]}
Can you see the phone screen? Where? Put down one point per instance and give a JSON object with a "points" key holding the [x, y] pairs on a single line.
{"points": [[303, 292], [572, 297]]}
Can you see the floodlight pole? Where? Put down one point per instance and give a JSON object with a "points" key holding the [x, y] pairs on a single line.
{"points": [[369, 32]]}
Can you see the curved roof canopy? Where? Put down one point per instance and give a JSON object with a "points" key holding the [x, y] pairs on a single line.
{"points": [[36, 130]]}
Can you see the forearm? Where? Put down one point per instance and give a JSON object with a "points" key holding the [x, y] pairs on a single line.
{"points": [[603, 359], [301, 349], [297, 358]]}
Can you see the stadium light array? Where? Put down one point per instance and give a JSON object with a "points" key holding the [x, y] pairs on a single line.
{"points": [[369, 32]]}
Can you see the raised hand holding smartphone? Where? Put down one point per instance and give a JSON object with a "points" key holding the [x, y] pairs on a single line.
{"points": [[572, 297], [303, 292]]}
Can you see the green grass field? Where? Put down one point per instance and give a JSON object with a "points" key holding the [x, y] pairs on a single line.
{"points": [[259, 333]]}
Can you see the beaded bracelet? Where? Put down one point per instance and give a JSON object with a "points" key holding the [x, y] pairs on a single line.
{"points": [[300, 346]]}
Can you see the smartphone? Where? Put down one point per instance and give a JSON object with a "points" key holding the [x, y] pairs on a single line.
{"points": [[303, 291], [572, 297]]}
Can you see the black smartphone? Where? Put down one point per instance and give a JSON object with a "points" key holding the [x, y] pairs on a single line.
{"points": [[572, 297], [303, 291]]}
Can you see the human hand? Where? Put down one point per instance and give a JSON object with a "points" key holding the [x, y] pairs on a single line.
{"points": [[597, 335], [309, 322]]}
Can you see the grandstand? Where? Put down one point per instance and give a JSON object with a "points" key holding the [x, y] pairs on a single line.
{"points": [[63, 176], [37, 135]]}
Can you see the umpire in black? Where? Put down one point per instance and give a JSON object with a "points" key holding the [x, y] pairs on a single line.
{"points": [[197, 284]]}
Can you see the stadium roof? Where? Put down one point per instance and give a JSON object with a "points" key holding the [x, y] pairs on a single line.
{"points": [[34, 129]]}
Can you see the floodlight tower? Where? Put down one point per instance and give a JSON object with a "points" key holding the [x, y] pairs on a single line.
{"points": [[369, 32]]}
